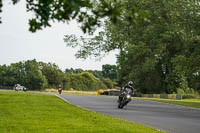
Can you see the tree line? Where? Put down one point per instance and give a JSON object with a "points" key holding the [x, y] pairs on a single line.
{"points": [[39, 75]]}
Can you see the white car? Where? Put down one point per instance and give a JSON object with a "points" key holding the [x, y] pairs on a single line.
{"points": [[18, 87]]}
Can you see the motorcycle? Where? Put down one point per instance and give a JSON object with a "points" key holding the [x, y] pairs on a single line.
{"points": [[18, 87], [59, 90], [126, 98]]}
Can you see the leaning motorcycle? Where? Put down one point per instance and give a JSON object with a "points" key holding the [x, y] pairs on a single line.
{"points": [[126, 98]]}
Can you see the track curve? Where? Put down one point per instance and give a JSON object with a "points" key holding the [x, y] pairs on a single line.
{"points": [[167, 117]]}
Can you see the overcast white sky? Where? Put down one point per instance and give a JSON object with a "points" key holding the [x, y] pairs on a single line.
{"points": [[18, 44]]}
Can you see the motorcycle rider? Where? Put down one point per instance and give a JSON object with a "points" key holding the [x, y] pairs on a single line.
{"points": [[128, 86], [59, 89]]}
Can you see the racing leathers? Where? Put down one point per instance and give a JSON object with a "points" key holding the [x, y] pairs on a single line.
{"points": [[124, 89]]}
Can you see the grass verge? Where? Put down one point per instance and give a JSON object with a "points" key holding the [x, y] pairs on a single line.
{"points": [[36, 113], [185, 102]]}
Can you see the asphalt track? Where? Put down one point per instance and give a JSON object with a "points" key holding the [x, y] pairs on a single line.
{"points": [[166, 117]]}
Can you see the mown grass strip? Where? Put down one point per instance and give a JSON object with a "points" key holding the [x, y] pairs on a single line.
{"points": [[35, 113], [195, 103]]}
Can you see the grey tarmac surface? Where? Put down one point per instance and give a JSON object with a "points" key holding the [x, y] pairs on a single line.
{"points": [[167, 117]]}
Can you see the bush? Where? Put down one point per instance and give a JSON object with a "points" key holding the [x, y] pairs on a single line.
{"points": [[86, 81], [66, 82], [188, 93], [180, 91], [190, 96], [88, 76], [108, 82]]}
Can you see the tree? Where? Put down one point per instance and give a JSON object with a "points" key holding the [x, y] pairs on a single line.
{"points": [[34, 79], [52, 73], [7, 77], [160, 53], [96, 73], [87, 12], [161, 50], [18, 72], [109, 71]]}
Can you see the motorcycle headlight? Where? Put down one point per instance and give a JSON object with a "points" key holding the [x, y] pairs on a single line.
{"points": [[128, 96]]}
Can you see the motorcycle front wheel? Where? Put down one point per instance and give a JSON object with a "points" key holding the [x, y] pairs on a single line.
{"points": [[120, 105]]}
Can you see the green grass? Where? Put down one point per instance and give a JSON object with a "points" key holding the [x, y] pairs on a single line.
{"points": [[36, 113], [185, 102]]}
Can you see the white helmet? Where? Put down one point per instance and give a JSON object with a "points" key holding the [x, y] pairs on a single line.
{"points": [[130, 83]]}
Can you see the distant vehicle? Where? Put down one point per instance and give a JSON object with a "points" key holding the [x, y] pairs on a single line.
{"points": [[18, 87], [59, 89]]}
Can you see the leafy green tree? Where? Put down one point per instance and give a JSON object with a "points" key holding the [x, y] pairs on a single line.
{"points": [[34, 79], [109, 71], [7, 77], [87, 12], [52, 73], [71, 70], [19, 72], [96, 73], [163, 46], [159, 53]]}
